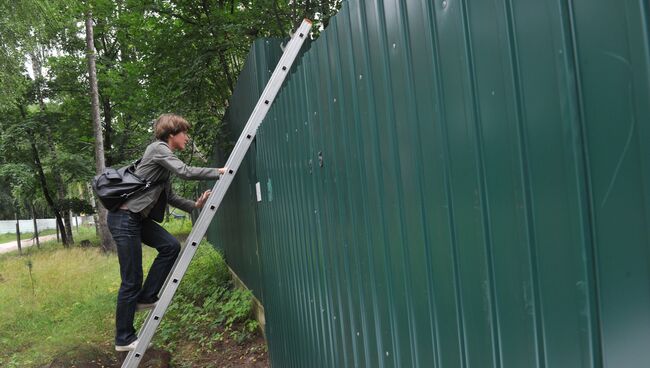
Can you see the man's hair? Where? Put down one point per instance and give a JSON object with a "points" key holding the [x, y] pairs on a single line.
{"points": [[168, 124]]}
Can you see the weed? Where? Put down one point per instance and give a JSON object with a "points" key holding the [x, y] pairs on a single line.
{"points": [[30, 265], [207, 307]]}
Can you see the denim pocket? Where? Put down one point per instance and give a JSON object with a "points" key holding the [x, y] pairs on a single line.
{"points": [[123, 224]]}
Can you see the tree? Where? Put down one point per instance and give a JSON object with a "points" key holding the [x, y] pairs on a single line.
{"points": [[151, 57], [106, 239], [25, 31], [61, 190]]}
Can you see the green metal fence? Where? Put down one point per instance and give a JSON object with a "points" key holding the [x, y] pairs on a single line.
{"points": [[452, 184], [235, 228]]}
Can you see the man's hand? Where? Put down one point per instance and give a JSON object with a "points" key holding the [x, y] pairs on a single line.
{"points": [[222, 170], [202, 198]]}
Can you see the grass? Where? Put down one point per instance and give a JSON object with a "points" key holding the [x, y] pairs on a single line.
{"points": [[7, 237], [51, 297], [53, 300]]}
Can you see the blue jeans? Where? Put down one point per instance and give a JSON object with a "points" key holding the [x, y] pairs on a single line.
{"points": [[129, 230]]}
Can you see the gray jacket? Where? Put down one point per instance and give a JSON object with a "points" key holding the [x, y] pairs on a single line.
{"points": [[158, 162]]}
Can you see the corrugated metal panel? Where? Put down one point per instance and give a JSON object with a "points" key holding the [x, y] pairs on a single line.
{"points": [[235, 230], [483, 195]]}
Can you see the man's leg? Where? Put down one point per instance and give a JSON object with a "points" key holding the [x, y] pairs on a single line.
{"points": [[125, 228], [168, 248]]}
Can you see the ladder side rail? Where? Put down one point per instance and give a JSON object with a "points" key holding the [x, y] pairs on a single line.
{"points": [[268, 95], [254, 121], [218, 192]]}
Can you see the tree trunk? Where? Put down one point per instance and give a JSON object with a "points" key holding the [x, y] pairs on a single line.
{"points": [[46, 193], [20, 248], [60, 190], [38, 243], [108, 127], [226, 70], [68, 227], [43, 182], [96, 214], [68, 223], [58, 181], [100, 165]]}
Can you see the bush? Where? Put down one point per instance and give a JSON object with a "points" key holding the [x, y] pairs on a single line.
{"points": [[207, 308]]}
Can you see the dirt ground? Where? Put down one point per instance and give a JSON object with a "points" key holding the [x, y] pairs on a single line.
{"points": [[228, 354], [24, 243]]}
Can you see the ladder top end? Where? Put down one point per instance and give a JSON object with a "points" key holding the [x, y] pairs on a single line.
{"points": [[307, 20]]}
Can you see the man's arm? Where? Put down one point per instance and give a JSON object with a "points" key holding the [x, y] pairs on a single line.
{"points": [[164, 157], [180, 202]]}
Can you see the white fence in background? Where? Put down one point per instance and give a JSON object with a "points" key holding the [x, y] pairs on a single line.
{"points": [[27, 226]]}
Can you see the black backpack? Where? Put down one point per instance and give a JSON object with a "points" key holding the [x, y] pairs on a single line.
{"points": [[115, 186]]}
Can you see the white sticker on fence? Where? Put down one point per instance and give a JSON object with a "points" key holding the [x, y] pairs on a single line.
{"points": [[258, 191]]}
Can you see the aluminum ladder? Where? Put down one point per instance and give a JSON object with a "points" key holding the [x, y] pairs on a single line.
{"points": [[166, 294]]}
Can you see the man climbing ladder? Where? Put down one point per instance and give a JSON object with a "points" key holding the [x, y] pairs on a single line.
{"points": [[218, 192]]}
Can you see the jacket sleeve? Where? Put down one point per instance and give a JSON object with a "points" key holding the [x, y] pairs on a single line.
{"points": [[180, 202], [164, 157]]}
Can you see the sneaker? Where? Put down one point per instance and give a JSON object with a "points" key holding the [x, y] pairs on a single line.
{"points": [[144, 306], [129, 347]]}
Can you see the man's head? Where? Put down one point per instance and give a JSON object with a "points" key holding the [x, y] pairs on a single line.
{"points": [[172, 129]]}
